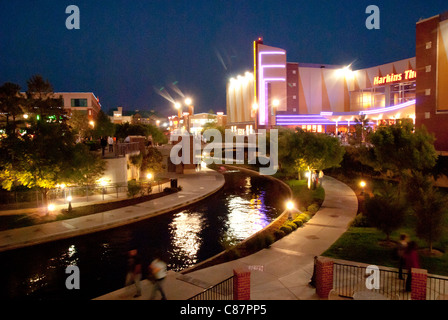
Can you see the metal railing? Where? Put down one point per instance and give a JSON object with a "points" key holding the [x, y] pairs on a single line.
{"points": [[437, 288], [121, 149], [350, 279], [219, 291], [13, 200]]}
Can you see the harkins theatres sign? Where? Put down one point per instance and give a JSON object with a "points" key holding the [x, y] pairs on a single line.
{"points": [[395, 77]]}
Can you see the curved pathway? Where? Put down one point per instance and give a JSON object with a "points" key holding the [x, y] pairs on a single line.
{"points": [[195, 187], [283, 271]]}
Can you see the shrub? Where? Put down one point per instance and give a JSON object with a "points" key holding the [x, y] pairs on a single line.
{"points": [[298, 222], [286, 229], [133, 188], [260, 242], [305, 216], [360, 221], [292, 225], [312, 209], [278, 234]]}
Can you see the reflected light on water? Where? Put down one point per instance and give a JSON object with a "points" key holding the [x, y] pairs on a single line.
{"points": [[245, 218], [185, 229]]}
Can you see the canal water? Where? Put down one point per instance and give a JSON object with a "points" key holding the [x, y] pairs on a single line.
{"points": [[246, 204]]}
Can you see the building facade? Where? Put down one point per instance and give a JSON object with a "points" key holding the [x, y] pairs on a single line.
{"points": [[432, 81], [85, 102], [318, 97]]}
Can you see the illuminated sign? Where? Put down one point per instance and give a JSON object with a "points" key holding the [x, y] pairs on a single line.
{"points": [[263, 81], [395, 77]]}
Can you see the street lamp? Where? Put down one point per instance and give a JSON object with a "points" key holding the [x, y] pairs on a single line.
{"points": [[275, 104], [69, 199], [254, 112], [50, 208], [290, 206], [178, 107], [188, 101], [363, 185], [103, 183], [149, 176]]}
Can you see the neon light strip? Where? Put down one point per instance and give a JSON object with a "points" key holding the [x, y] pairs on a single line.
{"points": [[262, 106], [393, 108]]}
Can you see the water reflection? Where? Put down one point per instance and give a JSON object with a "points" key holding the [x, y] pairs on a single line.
{"points": [[246, 204], [184, 230]]}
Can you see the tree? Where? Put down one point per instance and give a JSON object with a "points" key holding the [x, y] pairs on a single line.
{"points": [[396, 149], [299, 150], [152, 161], [42, 101], [40, 158], [362, 129], [85, 167], [46, 154], [103, 126], [385, 211], [428, 205], [11, 105], [79, 122]]}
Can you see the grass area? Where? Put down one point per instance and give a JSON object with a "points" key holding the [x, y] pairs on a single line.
{"points": [[303, 196], [367, 245]]}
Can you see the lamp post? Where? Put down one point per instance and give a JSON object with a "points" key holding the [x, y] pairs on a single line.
{"points": [[255, 113], [189, 104], [275, 104], [103, 184], [290, 206], [178, 107], [69, 199], [50, 208], [362, 185]]}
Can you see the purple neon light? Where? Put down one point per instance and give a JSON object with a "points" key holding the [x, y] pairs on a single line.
{"points": [[306, 119], [387, 109], [262, 106]]}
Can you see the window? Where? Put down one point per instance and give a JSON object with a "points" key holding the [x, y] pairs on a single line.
{"points": [[79, 102]]}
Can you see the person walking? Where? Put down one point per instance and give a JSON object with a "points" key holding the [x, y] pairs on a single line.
{"points": [[412, 261], [110, 141], [103, 143], [401, 250], [157, 272], [134, 274]]}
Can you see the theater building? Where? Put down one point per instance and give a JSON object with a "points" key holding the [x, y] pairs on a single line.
{"points": [[432, 81], [331, 98]]}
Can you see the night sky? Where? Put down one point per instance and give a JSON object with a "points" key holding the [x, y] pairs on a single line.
{"points": [[125, 50]]}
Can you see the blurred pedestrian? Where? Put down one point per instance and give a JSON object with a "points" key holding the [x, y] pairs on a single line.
{"points": [[134, 274], [157, 273], [103, 143], [401, 250], [412, 261], [110, 141]]}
